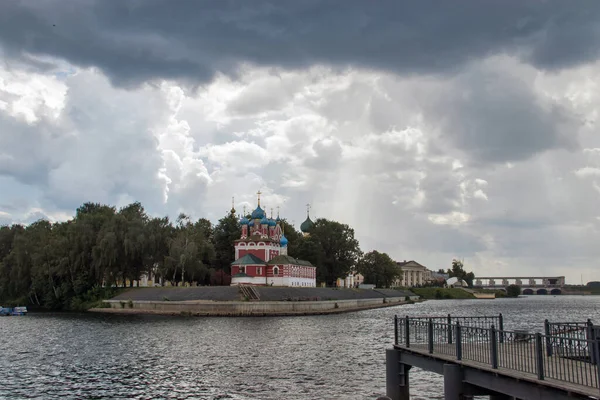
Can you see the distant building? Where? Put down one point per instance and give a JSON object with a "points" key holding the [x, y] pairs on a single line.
{"points": [[413, 274], [261, 254], [439, 277]]}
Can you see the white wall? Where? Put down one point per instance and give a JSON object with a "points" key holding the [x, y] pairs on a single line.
{"points": [[276, 280]]}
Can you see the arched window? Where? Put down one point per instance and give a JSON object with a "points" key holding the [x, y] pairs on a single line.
{"points": [[275, 271]]}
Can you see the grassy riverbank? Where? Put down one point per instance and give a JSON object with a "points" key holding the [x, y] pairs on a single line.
{"points": [[433, 293]]}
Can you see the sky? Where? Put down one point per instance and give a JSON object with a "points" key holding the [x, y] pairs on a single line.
{"points": [[437, 130]]}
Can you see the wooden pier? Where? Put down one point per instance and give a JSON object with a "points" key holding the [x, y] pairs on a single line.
{"points": [[477, 357]]}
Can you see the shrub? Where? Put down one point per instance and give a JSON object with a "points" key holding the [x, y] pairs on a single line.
{"points": [[513, 291]]}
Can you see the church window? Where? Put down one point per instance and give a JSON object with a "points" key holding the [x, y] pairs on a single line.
{"points": [[242, 270], [275, 270], [258, 271]]}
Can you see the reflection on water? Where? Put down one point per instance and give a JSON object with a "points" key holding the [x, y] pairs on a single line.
{"points": [[74, 356]]}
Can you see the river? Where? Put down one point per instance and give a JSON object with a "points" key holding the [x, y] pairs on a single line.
{"points": [[85, 356]]}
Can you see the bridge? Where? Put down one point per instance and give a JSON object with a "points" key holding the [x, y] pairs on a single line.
{"points": [[529, 284], [477, 357]]}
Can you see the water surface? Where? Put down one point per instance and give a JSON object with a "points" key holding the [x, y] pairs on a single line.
{"points": [[93, 356]]}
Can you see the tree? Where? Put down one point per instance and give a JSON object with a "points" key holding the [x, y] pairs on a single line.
{"points": [[158, 232], [459, 272], [378, 269], [513, 291], [332, 248], [134, 240], [225, 233], [188, 250]]}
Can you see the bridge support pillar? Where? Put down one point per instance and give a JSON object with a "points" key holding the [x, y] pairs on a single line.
{"points": [[453, 383], [396, 376]]}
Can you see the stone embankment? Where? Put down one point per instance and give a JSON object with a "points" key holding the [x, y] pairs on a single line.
{"points": [[228, 301]]}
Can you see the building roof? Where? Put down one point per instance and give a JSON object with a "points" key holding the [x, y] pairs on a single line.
{"points": [[249, 259], [285, 259], [307, 225], [407, 263], [259, 213]]}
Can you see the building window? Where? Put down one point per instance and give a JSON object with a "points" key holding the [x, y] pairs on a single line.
{"points": [[242, 270], [275, 271], [259, 271]]}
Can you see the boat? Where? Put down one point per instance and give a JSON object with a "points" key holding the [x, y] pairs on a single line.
{"points": [[6, 311]]}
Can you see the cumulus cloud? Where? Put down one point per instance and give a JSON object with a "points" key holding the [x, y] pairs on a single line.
{"points": [[435, 134]]}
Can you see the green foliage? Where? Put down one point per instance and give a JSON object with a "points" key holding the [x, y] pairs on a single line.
{"points": [[225, 233], [513, 291], [62, 265], [378, 269], [332, 247], [459, 272], [76, 264]]}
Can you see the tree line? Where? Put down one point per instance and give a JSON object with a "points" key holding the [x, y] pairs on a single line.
{"points": [[64, 264]]}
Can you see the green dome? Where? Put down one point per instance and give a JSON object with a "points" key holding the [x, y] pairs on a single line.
{"points": [[307, 225]]}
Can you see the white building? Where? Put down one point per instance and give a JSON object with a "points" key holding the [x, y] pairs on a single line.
{"points": [[413, 274]]}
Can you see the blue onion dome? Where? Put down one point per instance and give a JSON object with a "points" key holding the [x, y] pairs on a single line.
{"points": [[278, 219], [272, 222], [251, 223], [264, 221], [283, 241], [259, 213], [307, 225], [244, 221]]}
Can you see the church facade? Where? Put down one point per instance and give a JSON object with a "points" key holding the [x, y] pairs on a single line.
{"points": [[261, 256]]}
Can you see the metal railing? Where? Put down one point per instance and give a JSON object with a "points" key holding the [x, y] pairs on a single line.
{"points": [[571, 339], [449, 320], [570, 359]]}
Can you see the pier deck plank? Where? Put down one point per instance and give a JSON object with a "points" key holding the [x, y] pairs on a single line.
{"points": [[518, 360]]}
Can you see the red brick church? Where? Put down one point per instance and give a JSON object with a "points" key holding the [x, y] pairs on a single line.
{"points": [[261, 254]]}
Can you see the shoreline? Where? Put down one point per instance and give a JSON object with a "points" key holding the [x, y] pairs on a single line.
{"points": [[245, 308]]}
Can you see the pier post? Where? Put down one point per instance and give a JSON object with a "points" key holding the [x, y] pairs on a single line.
{"points": [[396, 376], [548, 339], [453, 385]]}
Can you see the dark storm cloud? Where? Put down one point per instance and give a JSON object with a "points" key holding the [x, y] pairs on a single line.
{"points": [[133, 41], [496, 116]]}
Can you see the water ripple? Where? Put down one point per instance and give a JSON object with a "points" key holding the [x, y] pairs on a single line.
{"points": [[89, 356]]}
